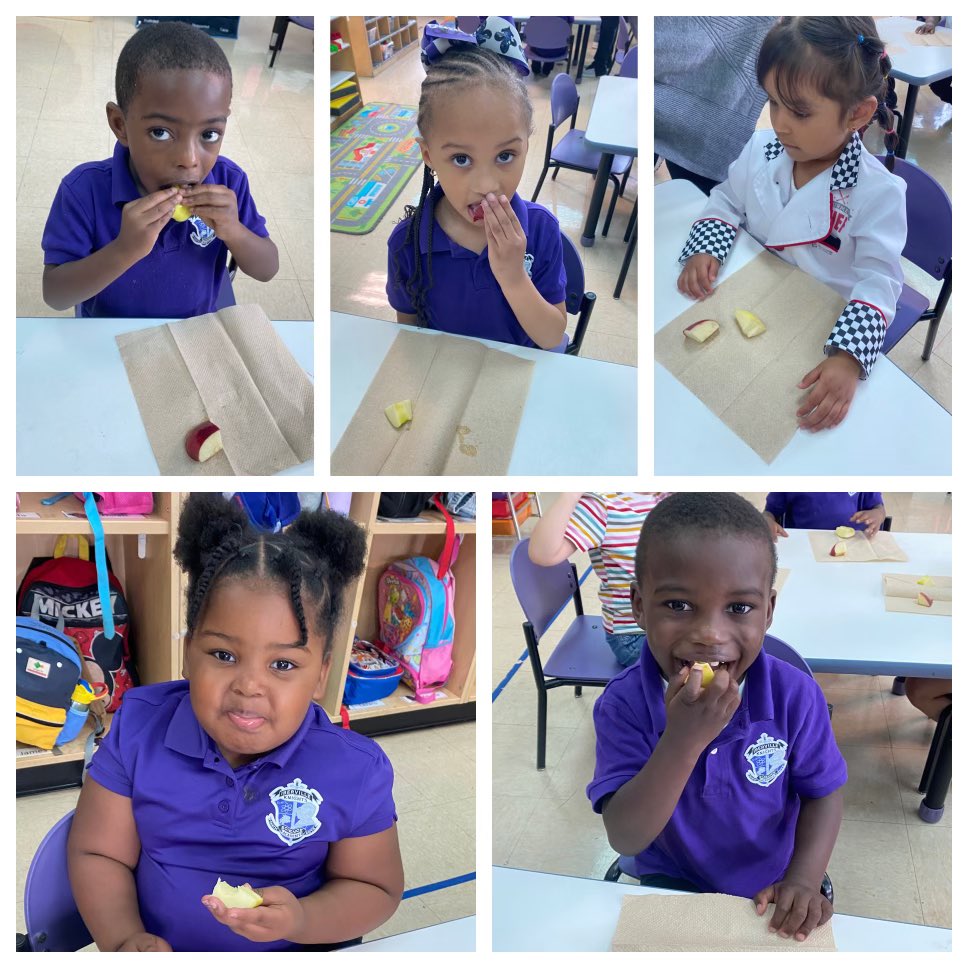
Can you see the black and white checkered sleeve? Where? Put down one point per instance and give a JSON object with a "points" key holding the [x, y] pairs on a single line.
{"points": [[711, 236], [860, 331]]}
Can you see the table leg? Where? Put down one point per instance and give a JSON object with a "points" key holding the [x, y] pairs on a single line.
{"points": [[587, 29], [598, 196], [907, 120]]}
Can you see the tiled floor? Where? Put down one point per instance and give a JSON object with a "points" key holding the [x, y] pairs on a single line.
{"points": [[359, 263], [65, 76], [887, 863], [434, 787]]}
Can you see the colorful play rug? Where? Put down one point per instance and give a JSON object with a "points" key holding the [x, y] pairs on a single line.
{"points": [[372, 157]]}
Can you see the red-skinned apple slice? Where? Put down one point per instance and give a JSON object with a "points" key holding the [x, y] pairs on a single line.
{"points": [[203, 441], [926, 600], [701, 330], [838, 550]]}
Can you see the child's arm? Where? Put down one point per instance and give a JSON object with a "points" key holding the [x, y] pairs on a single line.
{"points": [[775, 506], [548, 544], [871, 519]]}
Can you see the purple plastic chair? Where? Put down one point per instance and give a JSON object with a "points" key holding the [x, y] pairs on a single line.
{"points": [[571, 152], [622, 44], [279, 27], [547, 33], [928, 246], [582, 656], [53, 921], [630, 65]]}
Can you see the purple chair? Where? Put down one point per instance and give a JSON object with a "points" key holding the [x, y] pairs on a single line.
{"points": [[279, 27], [547, 33], [928, 246], [630, 65], [571, 152], [622, 44], [53, 921], [631, 237], [577, 301], [582, 656]]}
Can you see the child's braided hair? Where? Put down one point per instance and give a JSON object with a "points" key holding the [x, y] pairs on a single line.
{"points": [[314, 559], [462, 65]]}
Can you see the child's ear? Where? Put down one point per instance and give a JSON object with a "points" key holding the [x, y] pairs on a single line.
{"points": [[862, 113], [323, 679], [424, 152], [184, 668], [117, 123], [638, 606], [771, 605]]}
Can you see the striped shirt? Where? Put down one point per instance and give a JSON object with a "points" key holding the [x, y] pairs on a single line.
{"points": [[607, 526]]}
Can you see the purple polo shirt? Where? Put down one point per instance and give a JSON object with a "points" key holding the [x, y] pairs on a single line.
{"points": [[270, 822], [182, 274], [825, 510], [465, 297], [733, 828]]}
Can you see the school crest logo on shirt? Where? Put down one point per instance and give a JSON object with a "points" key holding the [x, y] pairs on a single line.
{"points": [[528, 263], [204, 234], [767, 757], [296, 806]]}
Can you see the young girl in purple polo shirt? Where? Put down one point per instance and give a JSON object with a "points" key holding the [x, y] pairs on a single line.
{"points": [[736, 786], [236, 773], [472, 257], [825, 510]]}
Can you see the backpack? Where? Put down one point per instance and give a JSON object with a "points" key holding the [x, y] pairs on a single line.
{"points": [[269, 511], [416, 611], [371, 674], [113, 503], [402, 505]]}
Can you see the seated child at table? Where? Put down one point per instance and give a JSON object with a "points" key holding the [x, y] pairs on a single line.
{"points": [[148, 231], [607, 526], [824, 511], [735, 787], [810, 191], [236, 773], [473, 257]]}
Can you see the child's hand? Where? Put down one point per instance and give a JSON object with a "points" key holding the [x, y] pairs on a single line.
{"points": [[799, 908], [775, 526], [280, 916], [696, 716], [926, 28], [142, 221], [834, 382], [216, 206], [506, 240], [872, 520], [142, 941], [698, 276]]}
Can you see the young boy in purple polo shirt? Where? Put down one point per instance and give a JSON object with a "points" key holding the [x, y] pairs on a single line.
{"points": [[473, 257], [824, 510], [236, 773], [148, 231], [735, 787]]}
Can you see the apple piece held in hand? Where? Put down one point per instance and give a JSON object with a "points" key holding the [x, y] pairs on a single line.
{"points": [[203, 441], [838, 550], [924, 599], [749, 323], [707, 673], [181, 213], [236, 897], [399, 413], [844, 532], [702, 330]]}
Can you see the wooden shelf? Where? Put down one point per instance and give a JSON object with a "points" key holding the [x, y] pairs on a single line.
{"points": [[431, 522], [51, 519], [403, 31], [337, 77], [402, 701], [30, 756]]}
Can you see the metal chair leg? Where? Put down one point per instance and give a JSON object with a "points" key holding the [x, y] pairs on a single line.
{"points": [[542, 725], [936, 778]]}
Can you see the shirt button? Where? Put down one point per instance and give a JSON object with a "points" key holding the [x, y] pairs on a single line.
{"points": [[223, 806], [229, 781]]}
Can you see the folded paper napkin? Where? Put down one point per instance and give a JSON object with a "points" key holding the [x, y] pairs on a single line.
{"points": [[782, 574], [705, 922], [901, 594], [229, 367], [882, 547], [467, 405]]}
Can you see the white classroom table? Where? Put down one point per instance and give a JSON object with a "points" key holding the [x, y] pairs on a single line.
{"points": [[458, 935], [613, 130], [833, 613], [579, 417], [76, 413], [894, 427], [554, 912]]}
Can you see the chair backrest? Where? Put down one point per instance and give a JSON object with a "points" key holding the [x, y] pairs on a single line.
{"points": [[549, 33], [542, 592], [564, 99], [630, 66], [53, 921], [575, 275], [929, 228], [780, 650], [623, 34], [306, 22]]}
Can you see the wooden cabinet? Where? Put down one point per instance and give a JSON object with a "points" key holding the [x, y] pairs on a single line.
{"points": [[376, 41], [342, 69]]}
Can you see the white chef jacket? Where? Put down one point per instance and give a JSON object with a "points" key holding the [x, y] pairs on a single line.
{"points": [[846, 227]]}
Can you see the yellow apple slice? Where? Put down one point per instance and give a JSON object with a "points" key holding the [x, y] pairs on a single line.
{"points": [[707, 672], [926, 580], [181, 213], [236, 897], [749, 323], [838, 550], [844, 532], [399, 413], [924, 599], [702, 330]]}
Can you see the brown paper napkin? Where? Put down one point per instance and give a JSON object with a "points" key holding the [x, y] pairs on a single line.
{"points": [[782, 574], [937, 39], [751, 385], [229, 367], [467, 405], [901, 592], [882, 547], [705, 922]]}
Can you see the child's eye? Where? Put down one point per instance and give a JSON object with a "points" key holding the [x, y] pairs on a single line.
{"points": [[222, 655], [279, 663], [159, 134], [459, 160], [740, 608], [677, 605], [506, 157], [210, 137]]}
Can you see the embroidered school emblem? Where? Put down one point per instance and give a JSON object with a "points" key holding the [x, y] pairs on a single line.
{"points": [[767, 757], [528, 263], [296, 806], [204, 234]]}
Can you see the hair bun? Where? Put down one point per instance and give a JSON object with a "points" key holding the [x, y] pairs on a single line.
{"points": [[340, 542], [206, 521]]}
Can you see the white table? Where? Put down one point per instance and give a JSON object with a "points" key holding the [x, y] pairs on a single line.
{"points": [[456, 935], [894, 427], [916, 64], [76, 413], [569, 424], [833, 613], [552, 912], [613, 129]]}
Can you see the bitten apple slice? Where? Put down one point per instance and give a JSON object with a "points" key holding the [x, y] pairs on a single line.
{"points": [[925, 580], [181, 213], [236, 897], [707, 672], [399, 413], [838, 550], [203, 441], [750, 323], [702, 330], [844, 532], [924, 599]]}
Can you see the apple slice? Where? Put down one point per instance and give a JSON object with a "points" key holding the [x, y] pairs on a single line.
{"points": [[925, 580], [844, 532], [181, 213], [203, 441], [236, 897], [707, 672], [838, 550], [399, 413], [702, 330], [924, 599], [749, 323]]}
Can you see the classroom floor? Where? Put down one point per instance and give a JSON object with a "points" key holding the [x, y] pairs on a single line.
{"points": [[434, 785], [65, 76], [887, 864], [359, 263]]}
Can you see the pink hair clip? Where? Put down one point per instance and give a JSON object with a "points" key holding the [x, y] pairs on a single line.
{"points": [[883, 54]]}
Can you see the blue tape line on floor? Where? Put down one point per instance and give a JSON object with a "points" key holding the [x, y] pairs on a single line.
{"points": [[440, 885], [520, 661]]}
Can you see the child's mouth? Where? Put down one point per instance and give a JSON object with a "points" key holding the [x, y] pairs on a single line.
{"points": [[247, 723], [714, 664], [476, 212]]}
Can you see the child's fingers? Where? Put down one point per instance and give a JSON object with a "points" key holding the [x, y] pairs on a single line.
{"points": [[797, 914], [762, 898], [818, 416], [811, 377]]}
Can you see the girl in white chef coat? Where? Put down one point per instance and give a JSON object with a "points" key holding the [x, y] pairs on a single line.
{"points": [[810, 191]]}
